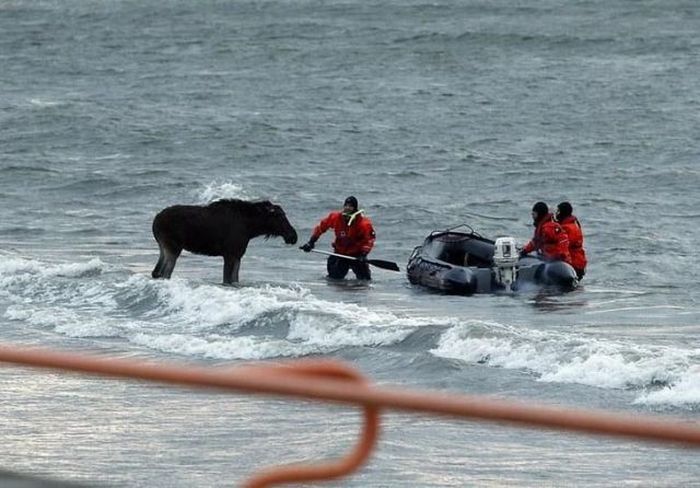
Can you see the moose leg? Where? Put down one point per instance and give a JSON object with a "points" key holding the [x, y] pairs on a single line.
{"points": [[158, 270], [231, 267], [170, 258]]}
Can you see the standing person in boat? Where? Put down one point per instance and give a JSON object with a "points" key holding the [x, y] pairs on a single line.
{"points": [[550, 240], [573, 230], [354, 236]]}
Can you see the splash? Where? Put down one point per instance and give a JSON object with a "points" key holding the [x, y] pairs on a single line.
{"points": [[186, 317], [215, 191], [683, 393], [569, 358]]}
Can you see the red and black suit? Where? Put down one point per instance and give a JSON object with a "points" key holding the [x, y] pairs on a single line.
{"points": [[550, 240], [354, 236], [572, 227]]}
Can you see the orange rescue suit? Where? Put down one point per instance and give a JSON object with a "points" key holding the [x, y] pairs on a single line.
{"points": [[572, 227], [352, 238], [550, 241]]}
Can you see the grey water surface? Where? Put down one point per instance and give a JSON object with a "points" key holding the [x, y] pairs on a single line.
{"points": [[433, 114]]}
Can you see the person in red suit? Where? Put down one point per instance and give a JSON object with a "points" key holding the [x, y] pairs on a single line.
{"points": [[572, 227], [550, 241], [354, 236]]}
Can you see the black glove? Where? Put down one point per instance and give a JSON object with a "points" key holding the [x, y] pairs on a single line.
{"points": [[522, 254], [307, 247], [362, 258]]}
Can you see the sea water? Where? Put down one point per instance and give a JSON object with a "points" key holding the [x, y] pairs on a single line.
{"points": [[432, 114]]}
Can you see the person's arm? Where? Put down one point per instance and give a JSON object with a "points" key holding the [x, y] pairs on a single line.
{"points": [[325, 224], [322, 227]]}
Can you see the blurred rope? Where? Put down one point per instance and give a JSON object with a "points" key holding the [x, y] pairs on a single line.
{"points": [[336, 382]]}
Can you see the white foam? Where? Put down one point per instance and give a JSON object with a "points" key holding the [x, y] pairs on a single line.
{"points": [[59, 296], [635, 309], [39, 103], [182, 317], [330, 326], [16, 265], [249, 322], [73, 323], [204, 306], [684, 392], [196, 315], [218, 347], [216, 190], [565, 358], [39, 287]]}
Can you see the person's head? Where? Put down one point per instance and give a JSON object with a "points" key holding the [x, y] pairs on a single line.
{"points": [[564, 209], [350, 205], [539, 210]]}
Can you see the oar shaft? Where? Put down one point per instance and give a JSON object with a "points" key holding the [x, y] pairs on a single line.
{"points": [[328, 253], [379, 263]]}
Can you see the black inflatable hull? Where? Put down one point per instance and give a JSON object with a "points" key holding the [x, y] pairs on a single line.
{"points": [[462, 263]]}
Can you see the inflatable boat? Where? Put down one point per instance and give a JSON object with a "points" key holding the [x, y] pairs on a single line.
{"points": [[465, 263]]}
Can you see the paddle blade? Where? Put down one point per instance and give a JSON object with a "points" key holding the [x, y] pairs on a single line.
{"points": [[380, 263]]}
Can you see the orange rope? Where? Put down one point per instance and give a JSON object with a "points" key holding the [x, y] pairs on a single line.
{"points": [[335, 382], [329, 470]]}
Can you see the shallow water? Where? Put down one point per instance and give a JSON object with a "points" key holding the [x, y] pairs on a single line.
{"points": [[432, 115]]}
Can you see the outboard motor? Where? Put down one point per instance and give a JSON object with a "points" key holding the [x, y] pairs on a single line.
{"points": [[505, 256]]}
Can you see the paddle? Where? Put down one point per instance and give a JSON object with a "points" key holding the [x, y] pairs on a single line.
{"points": [[379, 263]]}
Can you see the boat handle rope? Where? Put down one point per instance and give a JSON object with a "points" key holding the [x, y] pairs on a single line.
{"points": [[336, 382]]}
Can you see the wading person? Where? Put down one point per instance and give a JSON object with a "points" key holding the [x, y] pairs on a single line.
{"points": [[354, 236]]}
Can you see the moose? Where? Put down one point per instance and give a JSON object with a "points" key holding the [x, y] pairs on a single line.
{"points": [[221, 228]]}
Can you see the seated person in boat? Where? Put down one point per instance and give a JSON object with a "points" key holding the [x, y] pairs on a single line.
{"points": [[572, 227], [550, 240]]}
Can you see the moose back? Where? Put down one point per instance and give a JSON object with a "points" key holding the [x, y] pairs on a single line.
{"points": [[222, 228]]}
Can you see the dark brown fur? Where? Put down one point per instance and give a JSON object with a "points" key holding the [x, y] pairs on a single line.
{"points": [[222, 228]]}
